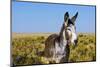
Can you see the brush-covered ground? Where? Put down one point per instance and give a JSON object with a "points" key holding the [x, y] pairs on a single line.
{"points": [[27, 48]]}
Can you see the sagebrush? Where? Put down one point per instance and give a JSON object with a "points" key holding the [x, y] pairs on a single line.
{"points": [[27, 48]]}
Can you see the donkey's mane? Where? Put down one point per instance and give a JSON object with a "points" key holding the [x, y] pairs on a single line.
{"points": [[61, 32]]}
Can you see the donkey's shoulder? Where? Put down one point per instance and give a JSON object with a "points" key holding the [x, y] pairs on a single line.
{"points": [[54, 36]]}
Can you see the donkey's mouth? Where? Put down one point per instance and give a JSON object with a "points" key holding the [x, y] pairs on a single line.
{"points": [[76, 41]]}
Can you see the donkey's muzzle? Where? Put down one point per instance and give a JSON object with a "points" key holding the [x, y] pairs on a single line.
{"points": [[76, 41]]}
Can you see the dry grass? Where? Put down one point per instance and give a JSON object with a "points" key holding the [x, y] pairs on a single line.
{"points": [[26, 48]]}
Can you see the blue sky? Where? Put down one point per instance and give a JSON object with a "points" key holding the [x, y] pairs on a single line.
{"points": [[41, 17]]}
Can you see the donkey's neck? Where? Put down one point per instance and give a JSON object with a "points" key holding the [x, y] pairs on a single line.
{"points": [[63, 40], [61, 32], [62, 36]]}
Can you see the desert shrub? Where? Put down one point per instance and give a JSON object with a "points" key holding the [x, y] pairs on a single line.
{"points": [[27, 49], [85, 51]]}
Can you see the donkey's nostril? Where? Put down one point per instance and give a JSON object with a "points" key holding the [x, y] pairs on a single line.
{"points": [[76, 41]]}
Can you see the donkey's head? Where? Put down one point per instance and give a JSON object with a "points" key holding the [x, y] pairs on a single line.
{"points": [[70, 28]]}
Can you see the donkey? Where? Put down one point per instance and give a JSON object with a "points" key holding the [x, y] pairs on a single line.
{"points": [[57, 45]]}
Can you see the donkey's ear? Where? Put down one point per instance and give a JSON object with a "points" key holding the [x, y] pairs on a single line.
{"points": [[66, 16], [74, 17]]}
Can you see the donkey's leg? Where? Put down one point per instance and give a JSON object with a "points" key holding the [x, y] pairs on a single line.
{"points": [[66, 57], [67, 52]]}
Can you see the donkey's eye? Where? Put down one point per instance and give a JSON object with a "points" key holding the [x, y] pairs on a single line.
{"points": [[69, 29]]}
